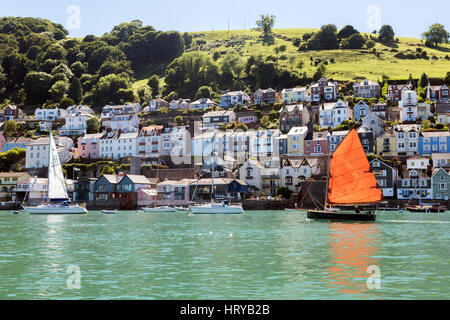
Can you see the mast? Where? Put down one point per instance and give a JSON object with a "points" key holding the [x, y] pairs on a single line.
{"points": [[212, 167], [50, 136], [328, 160]]}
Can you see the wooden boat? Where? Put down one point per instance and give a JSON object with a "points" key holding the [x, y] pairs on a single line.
{"points": [[350, 183], [426, 208]]}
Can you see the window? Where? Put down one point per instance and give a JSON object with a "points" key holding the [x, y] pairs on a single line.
{"points": [[442, 186]]}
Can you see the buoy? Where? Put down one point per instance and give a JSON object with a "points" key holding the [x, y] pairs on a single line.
{"points": [[210, 233], [15, 212], [231, 235]]}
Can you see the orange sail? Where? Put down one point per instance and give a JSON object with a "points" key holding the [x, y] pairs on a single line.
{"points": [[351, 180]]}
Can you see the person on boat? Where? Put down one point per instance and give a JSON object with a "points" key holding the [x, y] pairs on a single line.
{"points": [[357, 209]]}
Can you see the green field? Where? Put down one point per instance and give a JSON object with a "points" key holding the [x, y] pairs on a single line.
{"points": [[349, 64]]}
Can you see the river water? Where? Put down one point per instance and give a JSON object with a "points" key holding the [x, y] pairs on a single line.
{"points": [[258, 255]]}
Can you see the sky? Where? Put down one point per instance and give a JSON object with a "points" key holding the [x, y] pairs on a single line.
{"points": [[82, 17]]}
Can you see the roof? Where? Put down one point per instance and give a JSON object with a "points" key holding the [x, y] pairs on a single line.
{"points": [[113, 178], [294, 89], [129, 135], [12, 174], [221, 113], [366, 82], [234, 93], [203, 101], [442, 107], [407, 127], [439, 156], [291, 107], [400, 86], [138, 179], [183, 182], [247, 113], [439, 169], [298, 130], [297, 163], [93, 136], [427, 134]]}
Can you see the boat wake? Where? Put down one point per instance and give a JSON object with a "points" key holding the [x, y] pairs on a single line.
{"points": [[415, 221]]}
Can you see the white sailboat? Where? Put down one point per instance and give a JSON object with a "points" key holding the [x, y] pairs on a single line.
{"points": [[56, 188], [213, 207]]}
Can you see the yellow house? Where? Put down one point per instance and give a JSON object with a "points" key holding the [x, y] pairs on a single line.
{"points": [[296, 140], [423, 111], [387, 144]]}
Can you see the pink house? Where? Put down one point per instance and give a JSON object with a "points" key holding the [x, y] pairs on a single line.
{"points": [[174, 193], [247, 117], [2, 141], [317, 144], [89, 146]]}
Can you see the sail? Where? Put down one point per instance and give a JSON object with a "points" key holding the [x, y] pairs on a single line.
{"points": [[351, 179], [56, 182]]}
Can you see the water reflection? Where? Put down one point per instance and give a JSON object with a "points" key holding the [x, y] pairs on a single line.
{"points": [[352, 249]]}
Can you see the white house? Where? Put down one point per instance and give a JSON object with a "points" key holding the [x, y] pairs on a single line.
{"points": [[407, 138], [263, 178], [366, 89], [324, 90], [47, 116], [234, 98], [408, 106], [149, 140], [37, 153], [125, 122], [415, 184], [333, 114], [293, 171], [202, 104], [117, 145], [180, 104], [75, 124]]}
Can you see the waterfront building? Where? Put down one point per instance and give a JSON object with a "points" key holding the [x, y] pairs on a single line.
{"points": [[116, 145], [414, 182], [8, 184], [440, 181], [263, 178], [386, 177], [37, 152], [293, 171]]}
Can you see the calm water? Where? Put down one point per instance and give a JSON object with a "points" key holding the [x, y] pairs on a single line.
{"points": [[259, 255]]}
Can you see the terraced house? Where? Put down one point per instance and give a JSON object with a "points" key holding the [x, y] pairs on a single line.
{"points": [[293, 171], [386, 177], [323, 90], [415, 182], [407, 139], [293, 115], [333, 114], [267, 96], [434, 142], [387, 144], [366, 89], [294, 95], [234, 98], [440, 184]]}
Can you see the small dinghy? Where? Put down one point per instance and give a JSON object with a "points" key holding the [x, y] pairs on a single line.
{"points": [[110, 211]]}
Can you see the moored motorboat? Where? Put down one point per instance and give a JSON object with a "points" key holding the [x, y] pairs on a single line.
{"points": [[217, 208], [426, 208], [110, 211]]}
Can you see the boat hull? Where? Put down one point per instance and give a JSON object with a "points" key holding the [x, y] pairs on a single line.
{"points": [[160, 210], [341, 215], [425, 209], [56, 210], [109, 211], [216, 209]]}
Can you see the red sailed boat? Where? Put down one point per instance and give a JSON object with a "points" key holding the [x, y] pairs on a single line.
{"points": [[351, 183]]}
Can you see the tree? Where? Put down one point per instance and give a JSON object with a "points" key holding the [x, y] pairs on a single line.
{"points": [[325, 39], [320, 72], [10, 128], [447, 79], [436, 34], [107, 170], [423, 82], [66, 102], [355, 41], [153, 83], [204, 92], [58, 90], [386, 33], [266, 23], [144, 94], [346, 32], [37, 86], [93, 125], [75, 91], [178, 121], [286, 193]]}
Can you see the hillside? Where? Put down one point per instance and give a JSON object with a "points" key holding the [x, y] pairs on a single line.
{"points": [[349, 64]]}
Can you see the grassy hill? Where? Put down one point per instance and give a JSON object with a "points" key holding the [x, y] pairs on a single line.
{"points": [[348, 64]]}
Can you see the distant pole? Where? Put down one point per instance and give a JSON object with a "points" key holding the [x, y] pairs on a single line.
{"points": [[228, 28]]}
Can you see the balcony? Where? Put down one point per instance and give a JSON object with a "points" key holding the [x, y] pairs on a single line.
{"points": [[249, 178]]}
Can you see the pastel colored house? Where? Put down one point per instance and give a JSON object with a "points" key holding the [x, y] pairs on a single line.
{"points": [[125, 122], [9, 113], [76, 124], [366, 89], [441, 160], [19, 142], [234, 98], [180, 104], [9, 182], [295, 140], [440, 184], [156, 104], [414, 182], [360, 110], [316, 144], [439, 93], [128, 188], [294, 95], [386, 177], [324, 90], [387, 144], [434, 142], [105, 188], [443, 112], [174, 193], [37, 153], [293, 115], [89, 146], [267, 96], [293, 171], [264, 144], [423, 111]]}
